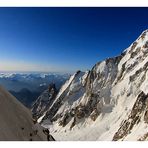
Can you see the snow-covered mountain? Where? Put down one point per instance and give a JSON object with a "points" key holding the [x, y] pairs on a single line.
{"points": [[109, 102], [16, 123]]}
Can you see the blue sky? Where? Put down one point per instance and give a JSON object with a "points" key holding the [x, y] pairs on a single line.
{"points": [[65, 39]]}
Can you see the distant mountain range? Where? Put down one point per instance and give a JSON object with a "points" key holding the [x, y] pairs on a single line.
{"points": [[27, 87], [31, 81]]}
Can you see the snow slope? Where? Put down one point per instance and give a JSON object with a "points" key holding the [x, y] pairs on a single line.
{"points": [[16, 123], [109, 102]]}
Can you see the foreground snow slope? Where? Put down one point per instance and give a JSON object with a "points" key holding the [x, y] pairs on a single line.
{"points": [[16, 122], [109, 102]]}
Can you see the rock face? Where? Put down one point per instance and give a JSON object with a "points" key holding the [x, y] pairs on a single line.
{"points": [[109, 102], [139, 109], [16, 123], [44, 101]]}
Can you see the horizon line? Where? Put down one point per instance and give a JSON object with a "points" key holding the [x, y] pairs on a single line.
{"points": [[19, 71]]}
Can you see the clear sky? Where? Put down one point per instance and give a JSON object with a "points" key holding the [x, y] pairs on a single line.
{"points": [[65, 39]]}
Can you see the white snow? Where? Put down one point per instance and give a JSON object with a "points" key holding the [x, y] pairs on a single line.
{"points": [[116, 99], [101, 67]]}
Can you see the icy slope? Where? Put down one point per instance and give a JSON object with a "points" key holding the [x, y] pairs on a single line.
{"points": [[107, 103], [16, 122]]}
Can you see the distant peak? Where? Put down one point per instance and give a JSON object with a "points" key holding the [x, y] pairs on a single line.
{"points": [[143, 34]]}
